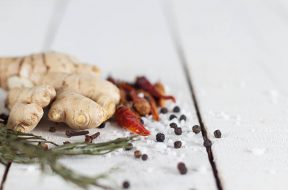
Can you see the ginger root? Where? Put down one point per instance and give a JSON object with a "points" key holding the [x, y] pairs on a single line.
{"points": [[26, 105], [82, 99]]}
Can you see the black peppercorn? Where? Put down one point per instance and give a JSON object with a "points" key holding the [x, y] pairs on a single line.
{"points": [[173, 125], [160, 137], [176, 109], [164, 110], [182, 168], [126, 185], [182, 117], [196, 129], [141, 120], [177, 144], [178, 131], [217, 133], [172, 117], [144, 157], [207, 143], [102, 126]]}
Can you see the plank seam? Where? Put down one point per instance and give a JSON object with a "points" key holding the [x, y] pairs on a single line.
{"points": [[174, 34], [53, 25], [55, 22], [4, 177]]}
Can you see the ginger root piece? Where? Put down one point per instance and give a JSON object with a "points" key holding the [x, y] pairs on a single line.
{"points": [[76, 110], [26, 105], [100, 94], [24, 117], [34, 66], [84, 101], [41, 95]]}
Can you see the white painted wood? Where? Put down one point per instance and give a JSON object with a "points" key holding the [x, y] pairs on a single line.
{"points": [[24, 25], [127, 38], [237, 54], [23, 28]]}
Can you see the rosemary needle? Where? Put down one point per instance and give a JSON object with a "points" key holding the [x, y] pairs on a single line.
{"points": [[22, 148]]}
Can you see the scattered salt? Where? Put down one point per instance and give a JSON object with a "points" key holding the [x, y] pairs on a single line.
{"points": [[202, 169], [272, 171], [274, 96], [160, 146], [257, 151]]}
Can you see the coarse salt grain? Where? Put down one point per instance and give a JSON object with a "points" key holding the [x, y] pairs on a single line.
{"points": [[150, 169], [170, 142], [257, 151], [160, 146], [202, 169]]}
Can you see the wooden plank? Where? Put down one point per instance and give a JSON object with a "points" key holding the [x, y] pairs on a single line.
{"points": [[233, 49], [23, 30], [24, 25], [127, 39]]}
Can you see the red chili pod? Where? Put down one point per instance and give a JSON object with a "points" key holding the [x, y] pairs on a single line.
{"points": [[127, 119]]}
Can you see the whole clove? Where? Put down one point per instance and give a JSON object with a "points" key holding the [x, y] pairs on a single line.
{"points": [[71, 133], [137, 154], [90, 138], [129, 147]]}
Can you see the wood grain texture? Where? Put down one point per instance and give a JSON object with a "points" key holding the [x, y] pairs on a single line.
{"points": [[24, 25], [126, 39], [23, 30], [236, 54]]}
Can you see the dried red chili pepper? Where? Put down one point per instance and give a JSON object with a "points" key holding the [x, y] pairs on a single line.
{"points": [[160, 88], [145, 84], [153, 105], [141, 105], [127, 119]]}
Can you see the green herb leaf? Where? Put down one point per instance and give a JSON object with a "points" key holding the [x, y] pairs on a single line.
{"points": [[23, 148]]}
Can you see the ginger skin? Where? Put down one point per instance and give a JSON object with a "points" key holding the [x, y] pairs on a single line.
{"points": [[26, 105], [82, 100]]}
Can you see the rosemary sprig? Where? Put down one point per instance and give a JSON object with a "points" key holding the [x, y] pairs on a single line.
{"points": [[22, 148]]}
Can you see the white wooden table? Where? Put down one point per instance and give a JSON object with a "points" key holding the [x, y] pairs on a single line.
{"points": [[226, 61]]}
